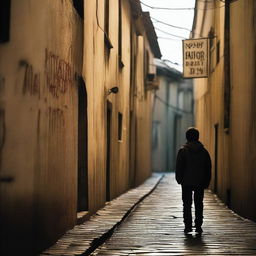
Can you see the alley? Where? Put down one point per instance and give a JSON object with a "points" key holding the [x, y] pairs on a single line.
{"points": [[156, 228]]}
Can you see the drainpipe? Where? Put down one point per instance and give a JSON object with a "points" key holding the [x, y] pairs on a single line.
{"points": [[227, 86], [227, 90]]}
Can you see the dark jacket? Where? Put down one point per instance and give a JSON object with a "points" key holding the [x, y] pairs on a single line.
{"points": [[193, 165]]}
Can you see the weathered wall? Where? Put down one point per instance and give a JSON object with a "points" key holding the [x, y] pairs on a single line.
{"points": [[102, 72], [39, 113], [104, 69], [41, 73], [233, 175], [243, 126], [143, 103]]}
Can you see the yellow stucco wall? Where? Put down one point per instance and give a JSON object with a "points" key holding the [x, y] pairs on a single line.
{"points": [[39, 102], [243, 129], [236, 181], [102, 73], [50, 48]]}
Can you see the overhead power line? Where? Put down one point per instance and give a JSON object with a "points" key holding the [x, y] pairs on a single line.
{"points": [[168, 38], [169, 33], [175, 63], [166, 8], [170, 25], [172, 106], [179, 9]]}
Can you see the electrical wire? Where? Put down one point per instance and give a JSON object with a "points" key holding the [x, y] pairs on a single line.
{"points": [[175, 63], [170, 25], [169, 33], [166, 8], [172, 106], [180, 9], [167, 24], [168, 38]]}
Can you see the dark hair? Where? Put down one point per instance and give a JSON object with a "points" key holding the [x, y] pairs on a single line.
{"points": [[192, 134]]}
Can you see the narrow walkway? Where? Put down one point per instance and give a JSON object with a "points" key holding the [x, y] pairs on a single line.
{"points": [[85, 238], [155, 227]]}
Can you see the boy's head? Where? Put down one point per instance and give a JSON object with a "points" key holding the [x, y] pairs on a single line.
{"points": [[192, 134]]}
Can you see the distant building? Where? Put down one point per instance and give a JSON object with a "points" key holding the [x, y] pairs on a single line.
{"points": [[172, 115], [75, 113]]}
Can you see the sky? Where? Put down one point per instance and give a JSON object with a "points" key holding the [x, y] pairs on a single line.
{"points": [[170, 45]]}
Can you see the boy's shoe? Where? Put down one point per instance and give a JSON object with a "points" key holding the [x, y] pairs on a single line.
{"points": [[187, 230], [199, 230]]}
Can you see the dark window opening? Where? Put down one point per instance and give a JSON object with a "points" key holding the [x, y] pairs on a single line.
{"points": [[106, 25], [120, 126], [5, 15], [121, 64], [146, 64], [107, 41], [211, 37], [216, 132], [82, 190], [218, 52], [108, 169], [79, 6]]}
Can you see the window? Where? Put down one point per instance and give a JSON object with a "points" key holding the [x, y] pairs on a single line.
{"points": [[120, 126], [121, 64], [146, 65], [108, 43], [106, 24], [5, 14]]}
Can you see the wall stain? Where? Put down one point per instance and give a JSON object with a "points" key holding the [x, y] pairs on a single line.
{"points": [[2, 86], [31, 83], [56, 120], [2, 118], [59, 74]]}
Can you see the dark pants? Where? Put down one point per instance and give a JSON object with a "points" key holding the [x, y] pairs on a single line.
{"points": [[187, 192]]}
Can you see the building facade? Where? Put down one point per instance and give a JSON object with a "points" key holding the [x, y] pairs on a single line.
{"points": [[225, 101], [75, 112], [172, 115]]}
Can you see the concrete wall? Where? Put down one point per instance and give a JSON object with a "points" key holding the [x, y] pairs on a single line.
{"points": [[50, 51], [232, 151]]}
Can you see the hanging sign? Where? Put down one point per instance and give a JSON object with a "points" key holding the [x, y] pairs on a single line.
{"points": [[195, 58]]}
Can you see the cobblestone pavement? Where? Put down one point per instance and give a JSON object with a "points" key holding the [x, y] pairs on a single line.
{"points": [[155, 227]]}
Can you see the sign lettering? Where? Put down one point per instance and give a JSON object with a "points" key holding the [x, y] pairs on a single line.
{"points": [[195, 58]]}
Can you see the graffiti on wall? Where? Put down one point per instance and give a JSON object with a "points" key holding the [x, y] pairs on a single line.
{"points": [[31, 84], [59, 74]]}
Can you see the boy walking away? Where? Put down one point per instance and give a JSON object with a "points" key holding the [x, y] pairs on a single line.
{"points": [[193, 172]]}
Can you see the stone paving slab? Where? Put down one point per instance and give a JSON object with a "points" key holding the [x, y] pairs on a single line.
{"points": [[155, 228], [85, 238]]}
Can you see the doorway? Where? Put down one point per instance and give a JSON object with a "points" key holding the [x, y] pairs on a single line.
{"points": [[216, 131], [82, 200], [108, 163]]}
